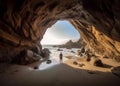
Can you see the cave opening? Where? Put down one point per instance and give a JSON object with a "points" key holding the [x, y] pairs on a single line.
{"points": [[62, 37], [60, 33]]}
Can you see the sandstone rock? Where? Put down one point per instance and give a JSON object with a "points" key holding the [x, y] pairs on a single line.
{"points": [[45, 54], [75, 63], [88, 54], [96, 62], [26, 57], [24, 22], [116, 71], [70, 44], [81, 52], [30, 53], [81, 65], [87, 58]]}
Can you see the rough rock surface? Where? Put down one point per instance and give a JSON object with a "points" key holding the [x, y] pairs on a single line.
{"points": [[97, 62], [116, 71], [70, 44], [24, 22]]}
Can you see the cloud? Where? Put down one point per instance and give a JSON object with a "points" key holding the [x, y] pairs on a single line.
{"points": [[60, 33]]}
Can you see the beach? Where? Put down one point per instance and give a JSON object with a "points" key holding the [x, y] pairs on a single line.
{"points": [[59, 74]]}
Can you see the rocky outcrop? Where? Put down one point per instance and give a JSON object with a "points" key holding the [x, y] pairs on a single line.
{"points": [[45, 53], [101, 30], [26, 57], [71, 44], [24, 22]]}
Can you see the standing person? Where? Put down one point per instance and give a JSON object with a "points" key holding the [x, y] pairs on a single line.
{"points": [[61, 57]]}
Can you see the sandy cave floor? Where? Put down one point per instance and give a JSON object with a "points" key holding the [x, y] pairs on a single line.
{"points": [[62, 74]]}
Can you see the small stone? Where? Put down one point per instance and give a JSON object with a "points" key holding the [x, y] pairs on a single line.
{"points": [[81, 65], [48, 61], [36, 67], [75, 63]]}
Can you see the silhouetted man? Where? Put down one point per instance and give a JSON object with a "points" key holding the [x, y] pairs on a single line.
{"points": [[61, 57]]}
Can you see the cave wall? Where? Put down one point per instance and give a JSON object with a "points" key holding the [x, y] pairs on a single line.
{"points": [[101, 28], [24, 22]]}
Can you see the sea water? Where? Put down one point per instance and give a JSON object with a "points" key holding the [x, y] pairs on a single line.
{"points": [[54, 56]]}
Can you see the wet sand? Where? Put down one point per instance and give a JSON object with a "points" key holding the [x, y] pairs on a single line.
{"points": [[64, 74]]}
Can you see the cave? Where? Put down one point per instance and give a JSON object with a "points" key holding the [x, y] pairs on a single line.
{"points": [[24, 22]]}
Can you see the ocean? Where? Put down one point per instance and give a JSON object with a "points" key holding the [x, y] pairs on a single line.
{"points": [[54, 56]]}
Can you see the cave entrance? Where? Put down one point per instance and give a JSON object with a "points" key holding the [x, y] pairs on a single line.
{"points": [[60, 33], [55, 39]]}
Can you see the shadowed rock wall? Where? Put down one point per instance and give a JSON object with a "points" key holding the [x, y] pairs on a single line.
{"points": [[24, 22]]}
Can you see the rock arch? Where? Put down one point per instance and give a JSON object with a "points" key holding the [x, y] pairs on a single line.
{"points": [[24, 22]]}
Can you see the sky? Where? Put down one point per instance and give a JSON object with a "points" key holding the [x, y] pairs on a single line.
{"points": [[60, 33]]}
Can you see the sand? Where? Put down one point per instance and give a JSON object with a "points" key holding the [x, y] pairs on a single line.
{"points": [[64, 74]]}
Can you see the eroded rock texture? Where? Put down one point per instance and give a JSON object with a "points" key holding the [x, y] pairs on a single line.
{"points": [[24, 22]]}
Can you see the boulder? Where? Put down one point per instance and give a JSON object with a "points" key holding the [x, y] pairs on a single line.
{"points": [[45, 54], [59, 49], [87, 58], [81, 52], [48, 61], [26, 57], [75, 63], [116, 71], [96, 61]]}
